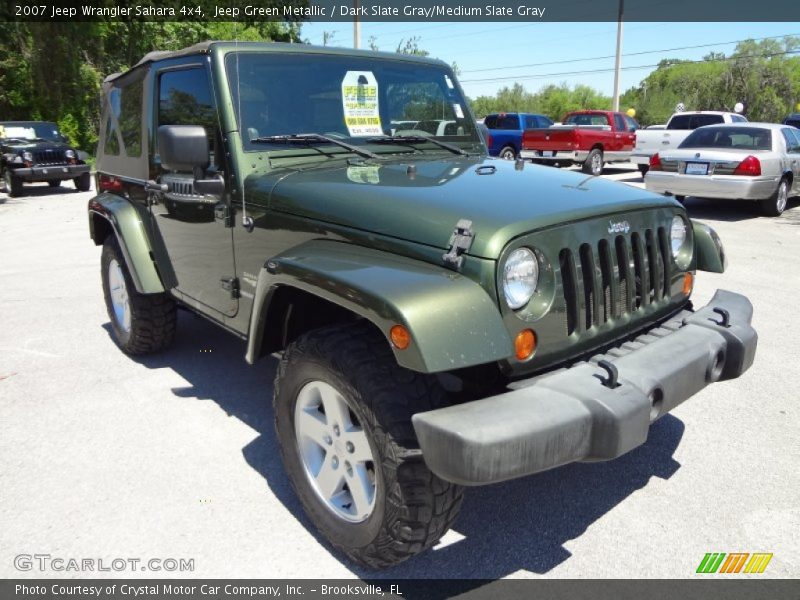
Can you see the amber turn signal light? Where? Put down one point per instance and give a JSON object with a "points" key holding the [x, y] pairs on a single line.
{"points": [[400, 337], [688, 283], [524, 344]]}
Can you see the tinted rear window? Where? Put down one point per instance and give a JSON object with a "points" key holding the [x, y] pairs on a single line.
{"points": [[502, 122], [737, 138], [693, 121], [586, 120]]}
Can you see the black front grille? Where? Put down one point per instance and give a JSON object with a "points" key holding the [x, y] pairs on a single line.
{"points": [[613, 278], [49, 157]]}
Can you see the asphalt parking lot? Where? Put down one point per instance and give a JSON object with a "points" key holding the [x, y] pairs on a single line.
{"points": [[174, 456]]}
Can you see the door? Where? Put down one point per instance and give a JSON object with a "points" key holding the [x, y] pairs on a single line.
{"points": [[193, 226], [792, 137]]}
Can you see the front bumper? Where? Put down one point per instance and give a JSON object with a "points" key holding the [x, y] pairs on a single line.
{"points": [[572, 415], [51, 172], [727, 187]]}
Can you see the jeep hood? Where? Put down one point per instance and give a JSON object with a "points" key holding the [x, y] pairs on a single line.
{"points": [[421, 200]]}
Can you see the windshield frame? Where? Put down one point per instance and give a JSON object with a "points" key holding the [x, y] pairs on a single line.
{"points": [[379, 65]]}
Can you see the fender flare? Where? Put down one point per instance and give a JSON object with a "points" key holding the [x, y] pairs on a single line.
{"points": [[126, 223], [708, 249], [453, 321]]}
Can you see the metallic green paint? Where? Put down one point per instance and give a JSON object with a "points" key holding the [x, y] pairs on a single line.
{"points": [[127, 222], [709, 252], [425, 206], [453, 322]]}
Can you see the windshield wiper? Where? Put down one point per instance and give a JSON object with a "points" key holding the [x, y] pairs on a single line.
{"points": [[307, 138], [415, 139]]}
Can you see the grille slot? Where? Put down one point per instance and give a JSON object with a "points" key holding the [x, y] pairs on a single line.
{"points": [[49, 157], [568, 277], [614, 277]]}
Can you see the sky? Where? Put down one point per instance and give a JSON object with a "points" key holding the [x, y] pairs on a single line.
{"points": [[490, 55]]}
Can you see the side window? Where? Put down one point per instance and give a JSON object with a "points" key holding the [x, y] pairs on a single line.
{"points": [[619, 122], [791, 140], [508, 122], [491, 121], [125, 119], [184, 98], [632, 125], [530, 122], [738, 119]]}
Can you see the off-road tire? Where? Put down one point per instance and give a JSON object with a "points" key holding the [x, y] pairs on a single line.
{"points": [[776, 204], [413, 507], [12, 184], [507, 153], [590, 165], [153, 316], [83, 182], [54, 183]]}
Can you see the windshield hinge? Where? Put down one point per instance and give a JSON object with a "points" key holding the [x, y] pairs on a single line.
{"points": [[460, 242], [230, 284]]}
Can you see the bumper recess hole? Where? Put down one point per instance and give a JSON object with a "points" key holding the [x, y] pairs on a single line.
{"points": [[716, 365], [656, 402]]}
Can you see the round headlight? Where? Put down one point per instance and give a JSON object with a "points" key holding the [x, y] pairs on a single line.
{"points": [[520, 276], [27, 156], [677, 235], [70, 153]]}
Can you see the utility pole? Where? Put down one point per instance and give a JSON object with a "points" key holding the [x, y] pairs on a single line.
{"points": [[356, 26], [619, 54]]}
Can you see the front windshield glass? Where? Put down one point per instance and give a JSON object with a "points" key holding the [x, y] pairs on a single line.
{"points": [[349, 98], [26, 131]]}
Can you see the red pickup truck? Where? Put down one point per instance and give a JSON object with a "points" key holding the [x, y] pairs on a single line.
{"points": [[588, 138]]}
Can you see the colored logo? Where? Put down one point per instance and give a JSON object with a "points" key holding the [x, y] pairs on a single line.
{"points": [[734, 562]]}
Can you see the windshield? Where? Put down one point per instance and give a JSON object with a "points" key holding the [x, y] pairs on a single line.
{"points": [[350, 98], [22, 130], [737, 138]]}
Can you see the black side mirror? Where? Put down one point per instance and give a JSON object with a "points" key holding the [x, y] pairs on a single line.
{"points": [[183, 147]]}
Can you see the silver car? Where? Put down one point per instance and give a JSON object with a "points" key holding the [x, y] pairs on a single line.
{"points": [[752, 161]]}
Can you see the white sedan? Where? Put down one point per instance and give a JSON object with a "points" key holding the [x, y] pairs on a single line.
{"points": [[752, 161]]}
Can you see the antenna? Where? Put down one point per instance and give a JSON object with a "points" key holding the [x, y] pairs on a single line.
{"points": [[247, 220]]}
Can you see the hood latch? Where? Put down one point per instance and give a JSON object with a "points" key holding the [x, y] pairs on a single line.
{"points": [[460, 242]]}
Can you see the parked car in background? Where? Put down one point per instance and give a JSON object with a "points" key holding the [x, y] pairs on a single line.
{"points": [[793, 120], [505, 131], [679, 126], [753, 161], [589, 138], [33, 151]]}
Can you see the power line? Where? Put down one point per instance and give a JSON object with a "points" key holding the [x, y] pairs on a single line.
{"points": [[588, 59], [683, 62]]}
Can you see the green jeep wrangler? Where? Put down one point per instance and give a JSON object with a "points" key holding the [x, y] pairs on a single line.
{"points": [[443, 319]]}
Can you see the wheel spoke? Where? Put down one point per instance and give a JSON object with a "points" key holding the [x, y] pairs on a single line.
{"points": [[329, 480], [361, 489], [311, 425], [336, 411]]}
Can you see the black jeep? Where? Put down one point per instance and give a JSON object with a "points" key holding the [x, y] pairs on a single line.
{"points": [[36, 151]]}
